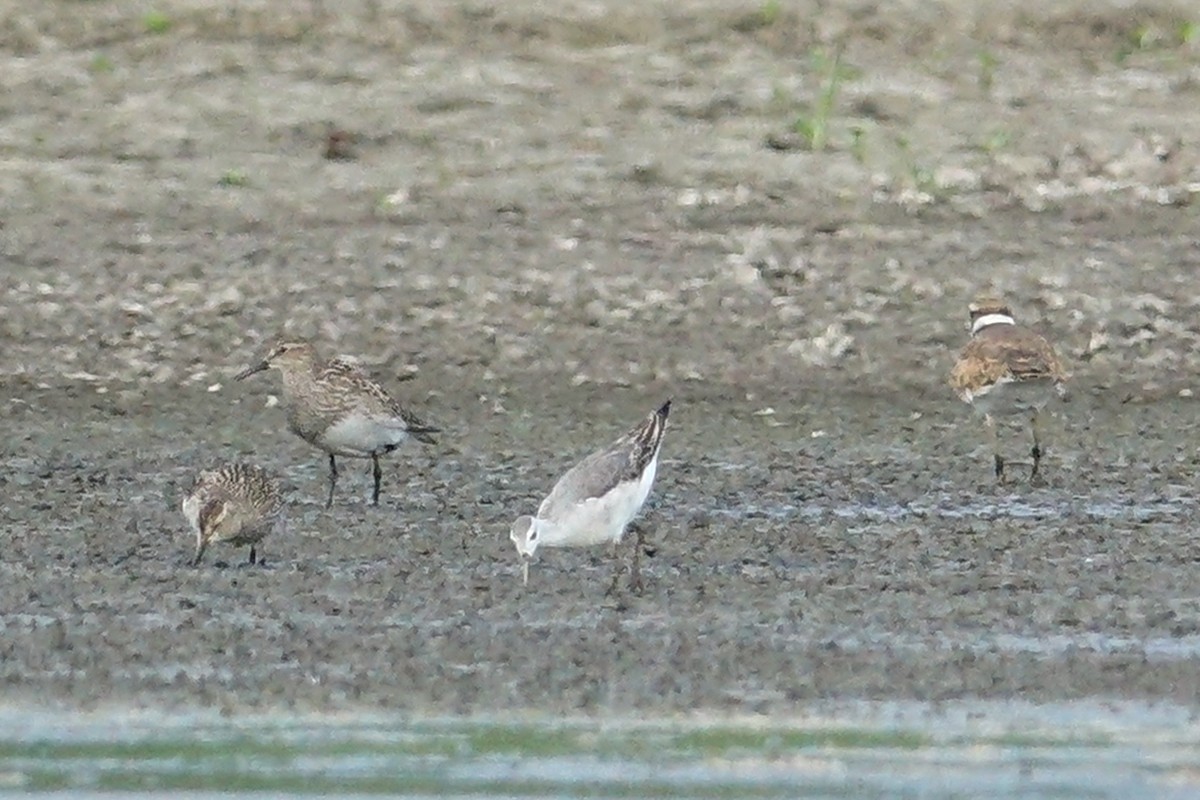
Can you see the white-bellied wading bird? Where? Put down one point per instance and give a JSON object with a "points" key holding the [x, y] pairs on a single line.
{"points": [[235, 503], [597, 498], [1007, 370], [336, 406]]}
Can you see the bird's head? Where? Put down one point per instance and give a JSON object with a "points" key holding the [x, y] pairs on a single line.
{"points": [[285, 355], [524, 535]]}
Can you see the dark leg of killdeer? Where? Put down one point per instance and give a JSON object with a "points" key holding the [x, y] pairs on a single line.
{"points": [[994, 440], [332, 479], [1036, 452]]}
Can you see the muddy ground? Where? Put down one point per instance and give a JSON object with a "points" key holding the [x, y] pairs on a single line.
{"points": [[549, 220]]}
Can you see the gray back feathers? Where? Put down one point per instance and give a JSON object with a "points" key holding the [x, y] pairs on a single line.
{"points": [[622, 461]]}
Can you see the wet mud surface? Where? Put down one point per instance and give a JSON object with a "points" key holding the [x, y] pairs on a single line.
{"points": [[549, 222]]}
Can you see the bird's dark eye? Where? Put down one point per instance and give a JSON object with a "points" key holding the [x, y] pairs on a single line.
{"points": [[532, 535]]}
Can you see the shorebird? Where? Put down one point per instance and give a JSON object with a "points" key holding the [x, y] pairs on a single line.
{"points": [[1007, 370], [597, 498], [336, 406], [236, 503]]}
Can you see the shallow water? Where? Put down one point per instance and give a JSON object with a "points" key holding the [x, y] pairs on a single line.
{"points": [[981, 750]]}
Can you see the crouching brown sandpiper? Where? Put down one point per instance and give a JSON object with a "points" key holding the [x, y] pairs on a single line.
{"points": [[595, 500], [336, 406], [1007, 370], [235, 503]]}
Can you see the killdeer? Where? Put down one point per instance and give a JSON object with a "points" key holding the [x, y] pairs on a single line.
{"points": [[236, 503], [595, 500], [336, 406], [1007, 370]]}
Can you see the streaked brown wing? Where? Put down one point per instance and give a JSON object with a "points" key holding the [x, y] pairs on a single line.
{"points": [[211, 513], [349, 380]]}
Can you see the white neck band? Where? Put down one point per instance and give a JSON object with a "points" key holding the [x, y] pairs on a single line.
{"points": [[991, 319]]}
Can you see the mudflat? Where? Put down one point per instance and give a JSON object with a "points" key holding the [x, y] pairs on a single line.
{"points": [[536, 224]]}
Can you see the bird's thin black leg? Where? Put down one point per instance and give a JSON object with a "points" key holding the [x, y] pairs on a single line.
{"points": [[332, 479], [994, 439], [378, 471], [1037, 451]]}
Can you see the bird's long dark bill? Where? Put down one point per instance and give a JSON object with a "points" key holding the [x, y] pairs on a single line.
{"points": [[248, 371]]}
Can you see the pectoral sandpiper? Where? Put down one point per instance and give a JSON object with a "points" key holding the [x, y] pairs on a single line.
{"points": [[235, 503], [336, 406]]}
